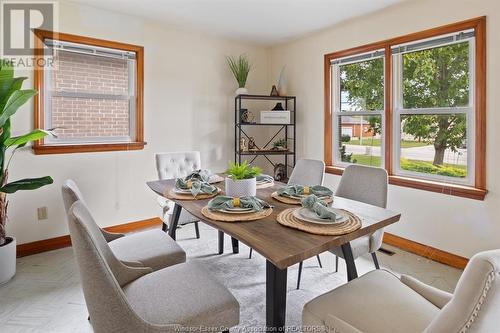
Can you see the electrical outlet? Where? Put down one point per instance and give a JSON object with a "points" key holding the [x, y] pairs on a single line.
{"points": [[43, 213]]}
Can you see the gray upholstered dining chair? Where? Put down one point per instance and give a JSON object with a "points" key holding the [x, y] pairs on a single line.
{"points": [[150, 248], [368, 185], [380, 302], [306, 172], [175, 165], [127, 299]]}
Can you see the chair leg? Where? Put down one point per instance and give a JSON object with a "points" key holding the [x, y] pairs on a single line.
{"points": [[336, 264], [197, 230], [319, 261], [221, 242], [250, 254], [300, 275], [375, 260]]}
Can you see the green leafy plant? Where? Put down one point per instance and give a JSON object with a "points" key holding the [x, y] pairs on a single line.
{"points": [[281, 143], [12, 97], [238, 171], [240, 67]]}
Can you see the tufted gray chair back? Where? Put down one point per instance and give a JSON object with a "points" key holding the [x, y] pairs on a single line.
{"points": [[307, 172], [475, 304], [177, 164]]}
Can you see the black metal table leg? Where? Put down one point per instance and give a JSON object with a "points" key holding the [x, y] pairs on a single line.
{"points": [[197, 230], [352, 273], [221, 242], [275, 297], [236, 245], [172, 229]]}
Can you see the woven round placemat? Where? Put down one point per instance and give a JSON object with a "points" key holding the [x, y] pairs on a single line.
{"points": [[292, 201], [179, 196], [218, 216], [286, 218]]}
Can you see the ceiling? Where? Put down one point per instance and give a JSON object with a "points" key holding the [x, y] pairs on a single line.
{"points": [[258, 21]]}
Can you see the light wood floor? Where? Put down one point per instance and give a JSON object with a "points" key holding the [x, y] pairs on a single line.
{"points": [[45, 295]]}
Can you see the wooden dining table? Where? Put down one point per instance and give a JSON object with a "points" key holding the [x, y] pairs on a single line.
{"points": [[282, 246]]}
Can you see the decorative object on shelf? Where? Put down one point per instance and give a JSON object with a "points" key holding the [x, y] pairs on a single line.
{"points": [[278, 107], [251, 144], [274, 91], [243, 144], [273, 117], [241, 180], [13, 98], [281, 83], [240, 67], [280, 145], [280, 172], [246, 117]]}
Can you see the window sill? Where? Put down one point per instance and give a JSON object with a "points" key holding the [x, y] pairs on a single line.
{"points": [[427, 185], [86, 148]]}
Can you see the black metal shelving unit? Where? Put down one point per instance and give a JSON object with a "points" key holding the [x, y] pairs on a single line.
{"points": [[289, 131]]}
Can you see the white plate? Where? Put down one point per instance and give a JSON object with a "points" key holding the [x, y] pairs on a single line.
{"points": [[305, 214], [239, 209], [232, 211], [302, 196], [182, 191], [215, 179]]}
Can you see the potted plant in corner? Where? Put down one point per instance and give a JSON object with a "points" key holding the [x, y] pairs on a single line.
{"points": [[241, 179], [12, 97], [240, 67]]}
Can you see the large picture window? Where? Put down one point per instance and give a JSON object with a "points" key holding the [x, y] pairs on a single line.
{"points": [[91, 95], [414, 105]]}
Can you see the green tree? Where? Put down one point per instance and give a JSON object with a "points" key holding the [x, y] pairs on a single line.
{"points": [[437, 77]]}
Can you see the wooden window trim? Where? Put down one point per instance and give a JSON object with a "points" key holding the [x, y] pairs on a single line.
{"points": [[478, 191], [39, 147]]}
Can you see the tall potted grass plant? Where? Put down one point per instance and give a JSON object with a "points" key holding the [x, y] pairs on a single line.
{"points": [[240, 67], [12, 97]]}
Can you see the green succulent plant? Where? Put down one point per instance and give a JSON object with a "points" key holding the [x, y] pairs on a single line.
{"points": [[244, 170], [12, 97]]}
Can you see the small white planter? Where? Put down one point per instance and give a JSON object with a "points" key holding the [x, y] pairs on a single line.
{"points": [[241, 188], [8, 260], [241, 91]]}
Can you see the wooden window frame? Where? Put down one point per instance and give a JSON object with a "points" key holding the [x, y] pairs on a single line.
{"points": [[39, 147], [478, 191]]}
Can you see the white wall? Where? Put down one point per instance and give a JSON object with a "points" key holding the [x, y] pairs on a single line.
{"points": [[189, 98], [458, 225]]}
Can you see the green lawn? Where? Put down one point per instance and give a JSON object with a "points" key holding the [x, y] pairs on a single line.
{"points": [[377, 143], [451, 170]]}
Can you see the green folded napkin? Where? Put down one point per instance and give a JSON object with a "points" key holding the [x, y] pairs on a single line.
{"points": [[319, 207], [267, 178], [294, 190], [203, 175], [196, 186], [224, 202]]}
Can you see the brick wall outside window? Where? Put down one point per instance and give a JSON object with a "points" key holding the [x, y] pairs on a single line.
{"points": [[84, 117]]}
